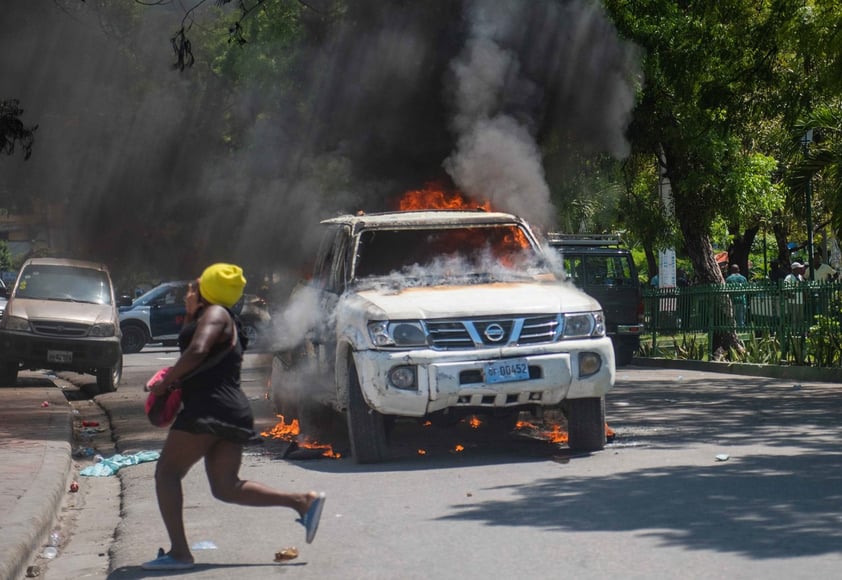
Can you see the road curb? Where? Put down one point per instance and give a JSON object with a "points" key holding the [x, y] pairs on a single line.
{"points": [[31, 519], [789, 373]]}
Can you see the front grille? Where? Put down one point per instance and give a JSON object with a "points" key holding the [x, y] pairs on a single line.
{"points": [[484, 332], [449, 335], [538, 330], [54, 328]]}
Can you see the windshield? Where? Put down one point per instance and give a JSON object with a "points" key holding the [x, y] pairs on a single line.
{"points": [[169, 293], [64, 283], [480, 253]]}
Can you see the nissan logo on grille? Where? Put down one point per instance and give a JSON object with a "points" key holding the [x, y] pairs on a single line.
{"points": [[494, 332]]}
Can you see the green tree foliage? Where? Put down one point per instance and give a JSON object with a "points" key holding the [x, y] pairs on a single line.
{"points": [[822, 164], [715, 73]]}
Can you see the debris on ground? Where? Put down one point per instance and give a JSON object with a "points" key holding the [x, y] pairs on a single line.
{"points": [[286, 554]]}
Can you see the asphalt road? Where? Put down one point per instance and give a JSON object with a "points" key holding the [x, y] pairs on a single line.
{"points": [[709, 476]]}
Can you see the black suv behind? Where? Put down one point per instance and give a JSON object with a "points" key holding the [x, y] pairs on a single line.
{"points": [[600, 266]]}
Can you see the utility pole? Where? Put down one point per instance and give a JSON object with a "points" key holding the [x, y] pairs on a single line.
{"points": [[808, 195]]}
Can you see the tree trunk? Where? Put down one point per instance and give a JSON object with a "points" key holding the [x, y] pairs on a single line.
{"points": [[651, 261], [782, 239], [740, 249]]}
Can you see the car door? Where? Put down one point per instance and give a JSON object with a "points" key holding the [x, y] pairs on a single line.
{"points": [[166, 312]]}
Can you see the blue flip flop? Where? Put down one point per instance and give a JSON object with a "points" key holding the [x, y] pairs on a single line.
{"points": [[166, 562], [310, 521]]}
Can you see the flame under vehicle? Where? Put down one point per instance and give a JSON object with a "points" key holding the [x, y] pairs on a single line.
{"points": [[437, 315]]}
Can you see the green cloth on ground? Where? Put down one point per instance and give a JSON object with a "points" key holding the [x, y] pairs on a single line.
{"points": [[108, 466]]}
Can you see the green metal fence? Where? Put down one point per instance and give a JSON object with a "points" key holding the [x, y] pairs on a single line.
{"points": [[799, 316]]}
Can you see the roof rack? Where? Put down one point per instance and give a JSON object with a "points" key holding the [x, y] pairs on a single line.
{"points": [[584, 239]]}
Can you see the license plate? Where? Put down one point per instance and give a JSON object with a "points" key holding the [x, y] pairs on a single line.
{"points": [[59, 356], [504, 371]]}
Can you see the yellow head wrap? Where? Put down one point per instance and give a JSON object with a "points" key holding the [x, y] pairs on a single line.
{"points": [[222, 284]]}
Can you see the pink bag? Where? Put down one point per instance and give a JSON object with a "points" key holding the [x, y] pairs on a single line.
{"points": [[162, 409]]}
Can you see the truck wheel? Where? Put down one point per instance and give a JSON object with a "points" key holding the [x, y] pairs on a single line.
{"points": [[9, 374], [366, 427], [251, 333], [134, 339], [107, 378], [586, 424]]}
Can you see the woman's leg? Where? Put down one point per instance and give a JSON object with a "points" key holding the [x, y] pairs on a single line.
{"points": [[181, 451], [222, 464]]}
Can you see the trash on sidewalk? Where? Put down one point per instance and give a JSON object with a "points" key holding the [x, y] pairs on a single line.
{"points": [[90, 423], [110, 465], [723, 457], [74, 487], [203, 545], [45, 404], [49, 553], [33, 571], [290, 553]]}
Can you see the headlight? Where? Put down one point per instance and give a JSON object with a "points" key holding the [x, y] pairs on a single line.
{"points": [[17, 323], [403, 333], [403, 377], [102, 330], [583, 325]]}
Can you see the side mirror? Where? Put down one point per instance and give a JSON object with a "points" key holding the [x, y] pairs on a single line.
{"points": [[124, 300]]}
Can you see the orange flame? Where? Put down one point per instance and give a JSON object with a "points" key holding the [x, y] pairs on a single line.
{"points": [[474, 422], [458, 448], [435, 197], [555, 434], [291, 432], [422, 452]]}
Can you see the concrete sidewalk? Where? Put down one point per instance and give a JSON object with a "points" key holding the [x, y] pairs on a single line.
{"points": [[35, 464]]}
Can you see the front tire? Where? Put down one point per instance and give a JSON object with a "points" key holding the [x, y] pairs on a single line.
{"points": [[108, 378], [586, 424], [134, 339], [366, 427]]}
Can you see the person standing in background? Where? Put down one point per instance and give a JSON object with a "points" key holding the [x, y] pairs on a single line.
{"points": [[739, 299]]}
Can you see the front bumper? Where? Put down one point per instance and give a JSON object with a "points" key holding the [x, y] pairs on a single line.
{"points": [[39, 352], [447, 379]]}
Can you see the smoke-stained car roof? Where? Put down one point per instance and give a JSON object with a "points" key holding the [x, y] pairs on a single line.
{"points": [[424, 218]]}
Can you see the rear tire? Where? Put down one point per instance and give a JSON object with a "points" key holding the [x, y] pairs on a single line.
{"points": [[134, 339], [9, 374], [108, 378], [625, 349], [586, 424], [366, 427]]}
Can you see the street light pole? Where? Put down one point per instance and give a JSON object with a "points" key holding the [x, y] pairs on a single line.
{"points": [[808, 194]]}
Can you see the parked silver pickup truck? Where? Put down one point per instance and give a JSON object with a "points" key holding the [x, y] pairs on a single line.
{"points": [[427, 314]]}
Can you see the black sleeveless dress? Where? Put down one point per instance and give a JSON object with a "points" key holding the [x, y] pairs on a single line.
{"points": [[212, 399]]}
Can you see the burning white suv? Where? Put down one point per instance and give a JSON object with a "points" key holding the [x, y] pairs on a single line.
{"points": [[432, 314]]}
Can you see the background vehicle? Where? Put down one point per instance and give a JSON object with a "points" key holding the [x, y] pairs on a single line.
{"points": [[600, 266], [440, 314], [157, 316], [61, 315]]}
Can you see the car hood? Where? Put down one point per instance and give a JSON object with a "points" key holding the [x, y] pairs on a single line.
{"points": [[476, 300], [82, 313]]}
